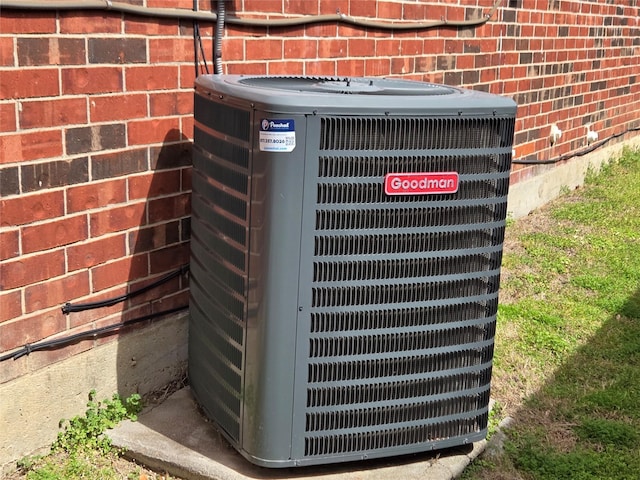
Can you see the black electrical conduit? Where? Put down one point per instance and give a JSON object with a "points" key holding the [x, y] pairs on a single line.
{"points": [[58, 342], [198, 49], [184, 14], [80, 307], [579, 153], [68, 308]]}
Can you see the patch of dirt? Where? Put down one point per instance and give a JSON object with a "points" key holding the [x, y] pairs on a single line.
{"points": [[155, 398]]}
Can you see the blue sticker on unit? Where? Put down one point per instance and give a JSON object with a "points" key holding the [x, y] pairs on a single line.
{"points": [[277, 125], [277, 135]]}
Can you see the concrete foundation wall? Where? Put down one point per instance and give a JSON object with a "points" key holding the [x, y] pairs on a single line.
{"points": [[32, 405], [530, 194]]}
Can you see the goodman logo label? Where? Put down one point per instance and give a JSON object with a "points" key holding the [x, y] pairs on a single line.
{"points": [[429, 183]]}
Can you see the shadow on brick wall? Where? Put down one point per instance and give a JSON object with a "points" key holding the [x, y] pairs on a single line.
{"points": [[153, 352]]}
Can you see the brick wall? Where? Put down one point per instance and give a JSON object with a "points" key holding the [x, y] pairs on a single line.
{"points": [[95, 123]]}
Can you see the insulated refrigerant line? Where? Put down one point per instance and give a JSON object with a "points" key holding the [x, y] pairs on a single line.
{"points": [[80, 307], [184, 14], [97, 332], [579, 153]]}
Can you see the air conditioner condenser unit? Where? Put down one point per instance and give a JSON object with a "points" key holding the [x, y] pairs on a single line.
{"points": [[345, 263]]}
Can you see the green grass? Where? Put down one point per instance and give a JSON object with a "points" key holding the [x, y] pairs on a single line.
{"points": [[567, 359]]}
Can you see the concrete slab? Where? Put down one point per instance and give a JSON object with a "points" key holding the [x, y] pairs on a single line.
{"points": [[175, 437]]}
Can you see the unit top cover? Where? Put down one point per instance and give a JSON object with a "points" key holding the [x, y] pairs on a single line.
{"points": [[357, 95]]}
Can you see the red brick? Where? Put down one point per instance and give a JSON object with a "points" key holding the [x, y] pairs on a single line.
{"points": [[144, 132], [255, 68], [168, 208], [330, 7], [99, 316], [28, 270], [402, 65], [27, 22], [412, 47], [96, 195], [263, 49], [234, 49], [10, 305], [362, 8], [29, 82], [31, 208], [38, 51], [6, 51], [301, 7], [327, 30], [111, 165], [31, 329], [186, 125], [119, 272], [186, 179], [350, 68], [387, 48], [30, 146], [170, 103], [7, 117], [9, 244], [78, 21], [465, 62], [154, 184], [286, 68], [390, 10], [91, 80], [168, 50], [377, 67], [89, 254], [297, 48], [142, 26], [169, 258], [118, 107], [46, 236], [117, 219], [362, 47], [166, 289], [263, 6], [322, 68], [53, 112], [152, 77], [178, 300], [187, 4], [154, 237], [56, 292], [188, 75]]}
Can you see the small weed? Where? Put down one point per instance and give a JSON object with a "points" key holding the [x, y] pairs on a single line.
{"points": [[81, 450], [495, 416], [86, 431]]}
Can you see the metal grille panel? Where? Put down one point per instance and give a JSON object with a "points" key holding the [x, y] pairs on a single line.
{"points": [[219, 242], [344, 133], [388, 439], [404, 288]]}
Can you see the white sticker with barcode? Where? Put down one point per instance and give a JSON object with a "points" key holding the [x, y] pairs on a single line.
{"points": [[277, 135]]}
